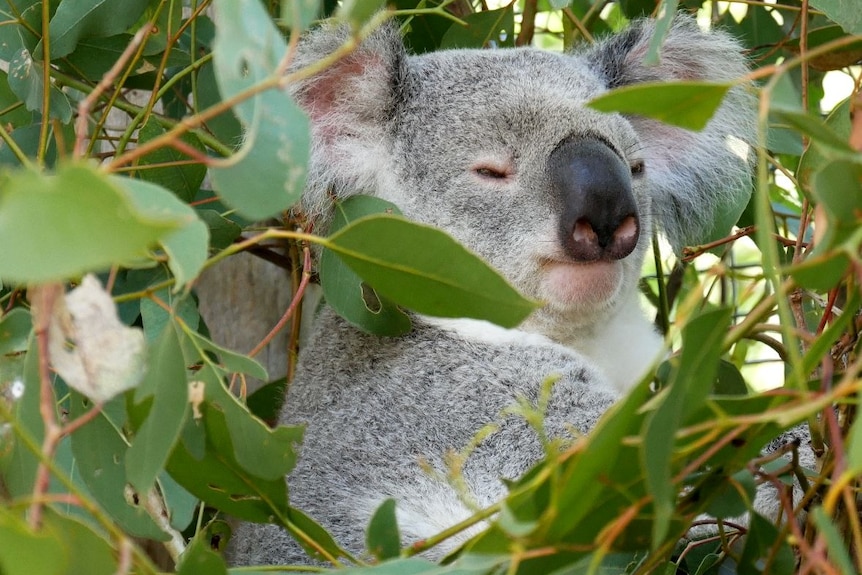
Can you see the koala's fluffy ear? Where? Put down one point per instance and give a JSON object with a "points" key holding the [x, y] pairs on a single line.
{"points": [[350, 104], [697, 177]]}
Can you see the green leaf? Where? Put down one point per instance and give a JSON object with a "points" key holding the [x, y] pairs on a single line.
{"points": [[345, 292], [838, 555], [166, 27], [666, 13], [89, 19], [222, 230], [263, 452], [410, 566], [180, 503], [837, 187], [94, 57], [187, 247], [300, 523], [230, 362], [15, 116], [184, 180], [730, 496], [216, 478], [488, 28], [99, 452], [155, 318], [225, 126], [166, 383], [690, 384], [765, 550], [424, 269], [854, 447], [27, 138], [56, 227], [817, 155], [357, 12], [843, 12], [266, 402], [816, 129], [728, 380], [821, 272], [582, 477], [17, 37], [19, 467], [27, 81], [382, 538], [688, 105], [299, 14], [86, 551], [199, 558], [15, 329], [25, 552], [247, 50]]}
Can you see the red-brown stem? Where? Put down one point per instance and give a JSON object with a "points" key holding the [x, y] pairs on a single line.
{"points": [[44, 297], [297, 297], [106, 82]]}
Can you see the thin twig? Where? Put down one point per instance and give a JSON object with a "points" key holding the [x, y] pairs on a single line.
{"points": [[106, 82]]}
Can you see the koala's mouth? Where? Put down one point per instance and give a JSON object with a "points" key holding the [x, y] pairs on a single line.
{"points": [[581, 284]]}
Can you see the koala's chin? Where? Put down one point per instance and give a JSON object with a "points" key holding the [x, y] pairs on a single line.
{"points": [[582, 286]]}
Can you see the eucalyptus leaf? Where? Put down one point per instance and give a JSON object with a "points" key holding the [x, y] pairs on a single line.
{"points": [[100, 452], [344, 291], [299, 14], [27, 80], [666, 13], [844, 12], [690, 383], [25, 551], [199, 557], [357, 12], [77, 221], [20, 19], [685, 104], [89, 19], [216, 478], [187, 247], [263, 452], [383, 539], [424, 269], [86, 551], [166, 383], [488, 28], [247, 51], [15, 326], [182, 179], [222, 230]]}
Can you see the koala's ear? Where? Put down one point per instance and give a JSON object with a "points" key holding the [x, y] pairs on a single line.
{"points": [[700, 180], [350, 105]]}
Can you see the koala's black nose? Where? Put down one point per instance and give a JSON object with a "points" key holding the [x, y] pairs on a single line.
{"points": [[599, 219]]}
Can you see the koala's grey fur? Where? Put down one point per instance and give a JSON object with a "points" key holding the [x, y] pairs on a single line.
{"points": [[423, 132]]}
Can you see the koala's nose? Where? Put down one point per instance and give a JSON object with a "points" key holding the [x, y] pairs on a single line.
{"points": [[599, 219]]}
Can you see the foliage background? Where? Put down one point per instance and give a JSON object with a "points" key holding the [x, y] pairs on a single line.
{"points": [[118, 440]]}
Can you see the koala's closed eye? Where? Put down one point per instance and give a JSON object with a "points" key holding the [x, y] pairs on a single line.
{"points": [[492, 173], [637, 167]]}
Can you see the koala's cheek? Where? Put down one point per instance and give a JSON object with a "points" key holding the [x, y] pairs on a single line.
{"points": [[582, 285]]}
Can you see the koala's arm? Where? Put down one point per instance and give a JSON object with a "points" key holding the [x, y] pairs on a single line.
{"points": [[377, 408]]}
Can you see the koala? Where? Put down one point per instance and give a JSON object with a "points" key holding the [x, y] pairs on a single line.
{"points": [[497, 148]]}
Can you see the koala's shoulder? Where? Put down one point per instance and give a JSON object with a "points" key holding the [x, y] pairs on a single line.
{"points": [[453, 359]]}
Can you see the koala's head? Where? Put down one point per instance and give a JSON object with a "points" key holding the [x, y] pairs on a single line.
{"points": [[497, 148]]}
